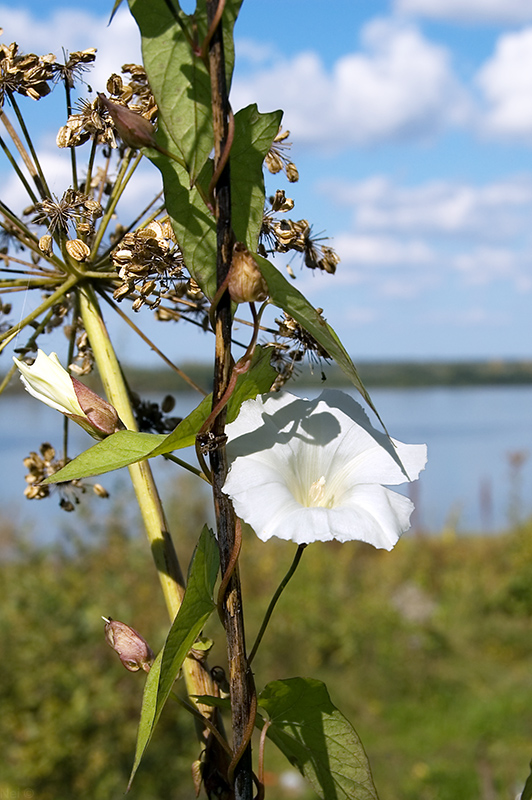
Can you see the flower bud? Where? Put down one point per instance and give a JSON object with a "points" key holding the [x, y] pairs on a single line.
{"points": [[245, 281], [49, 382], [134, 130], [133, 650]]}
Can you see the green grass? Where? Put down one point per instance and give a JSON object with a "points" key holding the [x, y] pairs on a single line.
{"points": [[427, 650]]}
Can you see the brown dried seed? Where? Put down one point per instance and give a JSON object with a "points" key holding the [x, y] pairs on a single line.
{"points": [[78, 250], [46, 245]]}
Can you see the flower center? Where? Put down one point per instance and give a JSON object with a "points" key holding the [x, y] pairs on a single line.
{"points": [[318, 496]]}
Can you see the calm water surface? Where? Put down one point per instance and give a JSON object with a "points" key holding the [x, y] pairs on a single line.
{"points": [[473, 434]]}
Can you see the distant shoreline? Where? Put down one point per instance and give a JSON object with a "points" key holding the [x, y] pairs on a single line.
{"points": [[374, 374]]}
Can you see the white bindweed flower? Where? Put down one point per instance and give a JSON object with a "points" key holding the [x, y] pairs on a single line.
{"points": [[316, 470], [50, 383]]}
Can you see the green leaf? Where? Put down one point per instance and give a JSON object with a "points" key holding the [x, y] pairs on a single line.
{"points": [[284, 295], [257, 380], [178, 75], [197, 606], [193, 224], [125, 447], [118, 450], [254, 134], [317, 739]]}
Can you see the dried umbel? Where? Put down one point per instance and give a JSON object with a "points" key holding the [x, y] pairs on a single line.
{"points": [[133, 650], [75, 65], [27, 74], [280, 236], [276, 159], [73, 207], [44, 464], [90, 122], [245, 281], [292, 343], [147, 261]]}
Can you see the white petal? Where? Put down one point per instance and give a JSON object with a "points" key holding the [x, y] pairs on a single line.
{"points": [[47, 381], [282, 446]]}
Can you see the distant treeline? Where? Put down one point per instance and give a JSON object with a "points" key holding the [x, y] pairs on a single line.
{"points": [[373, 374], [385, 374]]}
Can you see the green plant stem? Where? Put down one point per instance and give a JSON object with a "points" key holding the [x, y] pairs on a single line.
{"points": [[185, 465], [20, 174], [120, 184], [154, 347], [39, 179], [50, 301], [275, 598], [197, 680]]}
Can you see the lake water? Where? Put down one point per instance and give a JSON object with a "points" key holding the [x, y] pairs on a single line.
{"points": [[478, 477]]}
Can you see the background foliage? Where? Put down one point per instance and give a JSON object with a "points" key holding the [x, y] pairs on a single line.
{"points": [[429, 651]]}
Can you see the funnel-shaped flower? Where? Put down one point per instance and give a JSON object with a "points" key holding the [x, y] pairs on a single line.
{"points": [[49, 382], [313, 470]]}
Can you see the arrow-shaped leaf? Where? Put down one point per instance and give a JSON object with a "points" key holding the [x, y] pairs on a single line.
{"points": [[197, 606]]}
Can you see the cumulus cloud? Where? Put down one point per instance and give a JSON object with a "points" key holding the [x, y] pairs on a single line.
{"points": [[506, 83], [398, 86], [74, 29], [498, 210], [476, 11]]}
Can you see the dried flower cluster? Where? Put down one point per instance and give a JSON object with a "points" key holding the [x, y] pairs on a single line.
{"points": [[42, 466], [280, 236], [27, 74], [93, 119], [148, 261], [277, 160], [73, 207], [291, 344]]}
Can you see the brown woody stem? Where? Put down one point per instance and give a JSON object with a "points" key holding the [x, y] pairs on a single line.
{"points": [[243, 699]]}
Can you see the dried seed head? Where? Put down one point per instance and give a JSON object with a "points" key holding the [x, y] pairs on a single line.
{"points": [[280, 202], [78, 250], [277, 160], [245, 281]]}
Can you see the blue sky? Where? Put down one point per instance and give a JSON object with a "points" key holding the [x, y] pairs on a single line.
{"points": [[411, 123]]}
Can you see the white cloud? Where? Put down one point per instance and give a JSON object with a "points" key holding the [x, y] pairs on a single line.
{"points": [[399, 86], [381, 251], [477, 11], [483, 265], [73, 29], [498, 210], [506, 83]]}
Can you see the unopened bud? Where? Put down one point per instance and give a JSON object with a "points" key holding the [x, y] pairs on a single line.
{"points": [[134, 130], [133, 650], [245, 283]]}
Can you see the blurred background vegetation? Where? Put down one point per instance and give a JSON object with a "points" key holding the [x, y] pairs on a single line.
{"points": [[427, 650]]}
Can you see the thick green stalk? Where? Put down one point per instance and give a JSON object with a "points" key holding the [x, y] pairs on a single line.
{"points": [[198, 681]]}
